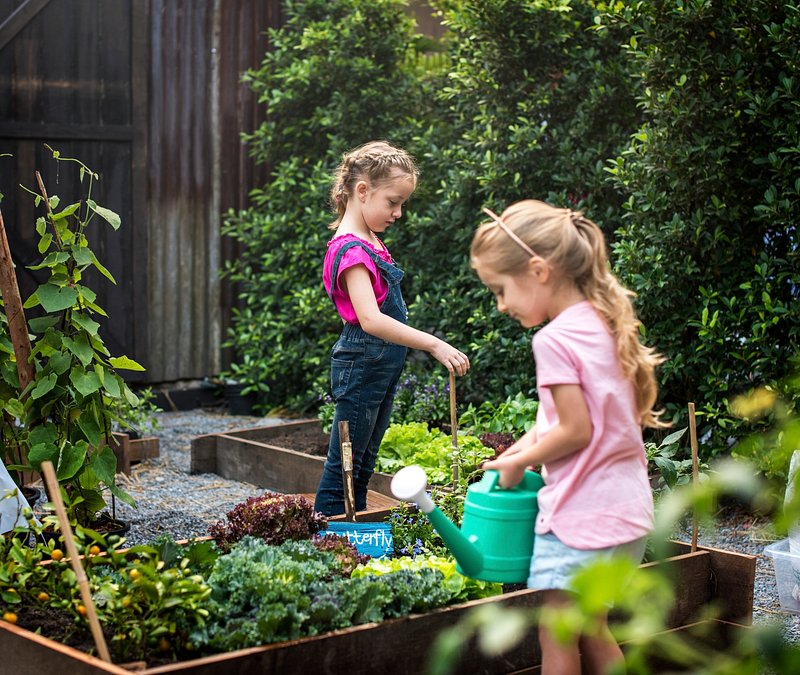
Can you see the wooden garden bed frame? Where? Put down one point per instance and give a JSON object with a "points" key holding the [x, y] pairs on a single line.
{"points": [[400, 646], [248, 455]]}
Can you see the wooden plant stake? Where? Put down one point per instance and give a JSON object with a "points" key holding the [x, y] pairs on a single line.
{"points": [[454, 428], [693, 439], [347, 471], [74, 560], [17, 326]]}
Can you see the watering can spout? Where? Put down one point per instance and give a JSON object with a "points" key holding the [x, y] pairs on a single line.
{"points": [[409, 484]]}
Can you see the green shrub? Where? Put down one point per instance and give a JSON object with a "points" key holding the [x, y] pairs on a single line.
{"points": [[709, 239]]}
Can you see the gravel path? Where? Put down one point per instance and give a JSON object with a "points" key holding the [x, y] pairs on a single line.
{"points": [[172, 500]]}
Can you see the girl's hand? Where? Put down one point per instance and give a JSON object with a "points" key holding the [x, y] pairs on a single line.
{"points": [[510, 470], [452, 359]]}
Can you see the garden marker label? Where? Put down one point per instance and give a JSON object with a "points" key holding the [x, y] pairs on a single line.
{"points": [[372, 539]]}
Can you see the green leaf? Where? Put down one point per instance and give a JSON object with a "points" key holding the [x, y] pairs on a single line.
{"points": [[71, 459], [81, 348], [102, 269], [42, 323], [104, 464], [111, 385], [43, 433], [120, 494], [32, 301], [124, 363], [68, 211], [53, 259], [15, 408], [86, 382], [82, 321], [43, 452], [107, 214], [56, 298], [59, 362], [90, 428], [44, 385], [83, 256], [44, 242]]}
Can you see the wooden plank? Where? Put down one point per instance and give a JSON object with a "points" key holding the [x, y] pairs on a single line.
{"points": [[204, 454], [72, 132], [732, 582], [20, 18], [396, 647], [270, 467], [139, 192], [691, 580], [144, 448]]}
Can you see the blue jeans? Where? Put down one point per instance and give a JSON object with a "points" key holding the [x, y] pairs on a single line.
{"points": [[364, 375]]}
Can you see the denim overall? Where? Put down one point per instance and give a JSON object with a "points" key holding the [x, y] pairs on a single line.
{"points": [[364, 375]]}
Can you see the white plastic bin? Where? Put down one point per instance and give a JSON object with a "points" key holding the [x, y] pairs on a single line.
{"points": [[787, 574]]}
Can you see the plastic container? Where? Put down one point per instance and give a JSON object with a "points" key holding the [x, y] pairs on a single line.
{"points": [[787, 574]]}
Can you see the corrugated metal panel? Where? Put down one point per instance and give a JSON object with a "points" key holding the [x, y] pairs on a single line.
{"points": [[197, 169]]}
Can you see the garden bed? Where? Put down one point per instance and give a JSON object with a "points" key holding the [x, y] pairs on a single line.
{"points": [[284, 457], [702, 578]]}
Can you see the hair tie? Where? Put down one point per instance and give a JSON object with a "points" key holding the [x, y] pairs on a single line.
{"points": [[510, 233]]}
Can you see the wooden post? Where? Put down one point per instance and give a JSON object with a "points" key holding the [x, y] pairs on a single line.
{"points": [[454, 428], [347, 471], [75, 560], [17, 325], [693, 440]]}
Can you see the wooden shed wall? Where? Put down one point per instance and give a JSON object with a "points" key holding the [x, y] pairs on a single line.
{"points": [[148, 94], [197, 169]]}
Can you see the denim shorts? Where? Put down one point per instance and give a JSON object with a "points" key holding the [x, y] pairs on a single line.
{"points": [[554, 563]]}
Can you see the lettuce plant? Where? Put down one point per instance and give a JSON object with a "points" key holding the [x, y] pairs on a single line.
{"points": [[275, 518]]}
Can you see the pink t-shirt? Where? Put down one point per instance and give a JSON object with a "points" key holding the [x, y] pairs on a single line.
{"points": [[599, 496], [353, 256]]}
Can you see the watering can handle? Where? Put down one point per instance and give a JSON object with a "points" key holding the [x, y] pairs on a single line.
{"points": [[531, 481], [492, 477]]}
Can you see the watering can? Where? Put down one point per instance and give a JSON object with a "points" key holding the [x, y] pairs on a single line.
{"points": [[495, 542]]}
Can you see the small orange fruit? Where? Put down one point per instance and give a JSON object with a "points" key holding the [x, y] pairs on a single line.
{"points": [[10, 617], [126, 601], [81, 610], [135, 574], [43, 597], [94, 550], [56, 554]]}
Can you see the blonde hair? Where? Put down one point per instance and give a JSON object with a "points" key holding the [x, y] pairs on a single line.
{"points": [[575, 247], [374, 162]]}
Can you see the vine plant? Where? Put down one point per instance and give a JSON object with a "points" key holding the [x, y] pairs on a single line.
{"points": [[64, 414]]}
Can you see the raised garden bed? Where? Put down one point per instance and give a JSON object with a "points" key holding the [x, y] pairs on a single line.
{"points": [[285, 457], [131, 451], [401, 646]]}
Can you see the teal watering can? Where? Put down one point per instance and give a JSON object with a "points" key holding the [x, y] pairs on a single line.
{"points": [[495, 542]]}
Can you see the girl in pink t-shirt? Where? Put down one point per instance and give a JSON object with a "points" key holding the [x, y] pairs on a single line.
{"points": [[369, 190], [597, 388]]}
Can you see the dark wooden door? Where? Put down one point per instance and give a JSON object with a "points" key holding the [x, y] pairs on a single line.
{"points": [[73, 75]]}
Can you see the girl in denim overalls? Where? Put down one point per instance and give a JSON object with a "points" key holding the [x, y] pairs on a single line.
{"points": [[369, 189]]}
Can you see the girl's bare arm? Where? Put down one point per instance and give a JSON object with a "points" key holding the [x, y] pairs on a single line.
{"points": [[572, 433], [358, 284]]}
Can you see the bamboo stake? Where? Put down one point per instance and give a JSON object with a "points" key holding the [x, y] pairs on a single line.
{"points": [[693, 439], [74, 560], [17, 326], [454, 428], [347, 471]]}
